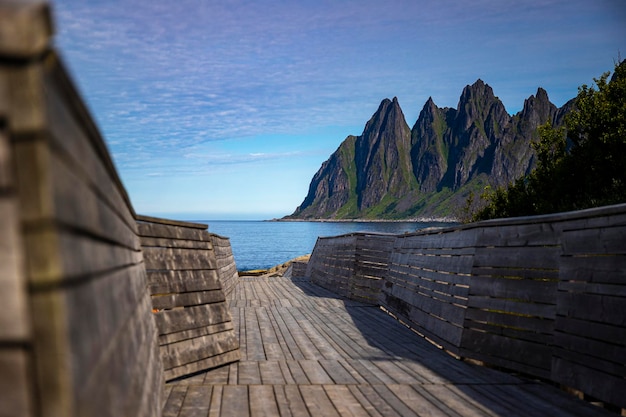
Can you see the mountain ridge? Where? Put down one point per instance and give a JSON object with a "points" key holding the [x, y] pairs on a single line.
{"points": [[392, 171]]}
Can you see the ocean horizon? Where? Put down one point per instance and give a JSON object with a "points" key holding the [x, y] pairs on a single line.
{"points": [[262, 244]]}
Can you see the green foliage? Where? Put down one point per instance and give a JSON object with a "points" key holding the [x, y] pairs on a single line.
{"points": [[580, 165]]}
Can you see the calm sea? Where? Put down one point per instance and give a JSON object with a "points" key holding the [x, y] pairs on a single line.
{"points": [[261, 244]]}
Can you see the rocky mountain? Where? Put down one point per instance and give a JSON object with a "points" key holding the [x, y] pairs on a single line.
{"points": [[392, 171]]}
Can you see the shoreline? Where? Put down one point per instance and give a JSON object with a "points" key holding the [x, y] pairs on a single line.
{"points": [[413, 220], [276, 270]]}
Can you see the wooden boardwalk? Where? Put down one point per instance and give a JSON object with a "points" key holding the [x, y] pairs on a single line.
{"points": [[307, 352]]}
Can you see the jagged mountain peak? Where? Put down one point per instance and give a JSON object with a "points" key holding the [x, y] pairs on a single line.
{"points": [[537, 107], [391, 171]]}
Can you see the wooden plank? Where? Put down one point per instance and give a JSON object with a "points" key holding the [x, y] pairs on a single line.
{"points": [[178, 259], [193, 333], [290, 401], [271, 373], [598, 308], [344, 402], [393, 401], [14, 322], [605, 240], [203, 364], [527, 256], [448, 264], [169, 281], [196, 349], [175, 401], [235, 401], [159, 242], [249, 373], [170, 321], [53, 189], [26, 30], [601, 269], [372, 401], [16, 385], [534, 324], [525, 234], [216, 401], [519, 272], [317, 401], [519, 289], [615, 290], [262, 401], [170, 222], [512, 306], [441, 239], [337, 372], [590, 381], [168, 301], [508, 352], [605, 356], [172, 232], [197, 401], [315, 372], [590, 329], [59, 255]]}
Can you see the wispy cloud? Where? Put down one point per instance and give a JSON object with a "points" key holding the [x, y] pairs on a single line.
{"points": [[166, 77]]}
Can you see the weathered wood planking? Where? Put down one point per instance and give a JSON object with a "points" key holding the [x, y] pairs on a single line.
{"points": [[297, 269], [226, 266], [194, 324], [492, 291], [352, 265], [427, 283], [590, 327], [309, 352], [16, 384], [333, 263], [512, 296], [88, 339]]}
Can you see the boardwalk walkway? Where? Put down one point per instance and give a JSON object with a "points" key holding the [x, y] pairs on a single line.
{"points": [[306, 351]]}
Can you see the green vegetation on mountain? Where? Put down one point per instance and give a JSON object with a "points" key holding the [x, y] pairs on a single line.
{"points": [[579, 165], [392, 171]]}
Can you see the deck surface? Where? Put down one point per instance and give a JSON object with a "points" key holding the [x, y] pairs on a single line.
{"points": [[307, 352]]}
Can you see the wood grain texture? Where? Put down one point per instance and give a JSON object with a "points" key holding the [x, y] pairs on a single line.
{"points": [[88, 345], [307, 351], [186, 282]]}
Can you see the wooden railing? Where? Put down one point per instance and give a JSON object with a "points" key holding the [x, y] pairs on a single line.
{"points": [[225, 261], [352, 265], [542, 295], [194, 324], [77, 333], [77, 337]]}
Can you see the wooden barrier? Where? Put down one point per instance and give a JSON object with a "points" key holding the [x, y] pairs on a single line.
{"points": [[226, 266], [427, 283], [194, 324], [542, 295], [77, 336], [297, 269], [510, 315], [351, 264], [590, 327]]}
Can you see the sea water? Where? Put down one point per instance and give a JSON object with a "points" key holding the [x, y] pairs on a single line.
{"points": [[264, 244]]}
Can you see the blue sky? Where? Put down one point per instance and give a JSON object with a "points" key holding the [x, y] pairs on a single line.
{"points": [[226, 109]]}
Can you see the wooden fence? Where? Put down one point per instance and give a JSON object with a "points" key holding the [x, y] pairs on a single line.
{"points": [[77, 336], [194, 324], [351, 265], [542, 295], [225, 261], [77, 333]]}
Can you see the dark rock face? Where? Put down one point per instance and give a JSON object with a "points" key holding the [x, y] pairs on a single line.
{"points": [[382, 156], [391, 171]]}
